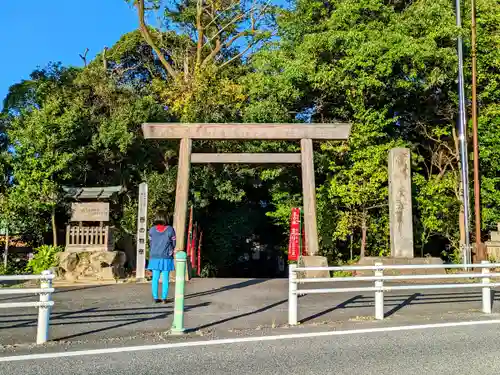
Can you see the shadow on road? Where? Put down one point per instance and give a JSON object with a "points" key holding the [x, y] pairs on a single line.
{"points": [[57, 291], [122, 317], [398, 302], [338, 307], [399, 306], [242, 284], [126, 322], [234, 317]]}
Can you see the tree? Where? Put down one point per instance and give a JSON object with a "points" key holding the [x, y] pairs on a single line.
{"points": [[389, 68]]}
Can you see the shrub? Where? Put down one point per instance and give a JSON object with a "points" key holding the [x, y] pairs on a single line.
{"points": [[4, 270], [15, 265], [44, 258]]}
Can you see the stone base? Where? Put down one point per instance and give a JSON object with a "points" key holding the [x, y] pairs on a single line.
{"points": [[313, 261], [370, 261], [493, 250], [91, 265]]}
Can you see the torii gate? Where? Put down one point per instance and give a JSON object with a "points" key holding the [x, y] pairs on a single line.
{"points": [[306, 133]]}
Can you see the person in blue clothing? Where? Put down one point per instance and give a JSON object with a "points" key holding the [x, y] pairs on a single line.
{"points": [[161, 255]]}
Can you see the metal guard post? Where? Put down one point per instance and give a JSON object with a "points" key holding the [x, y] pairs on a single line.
{"points": [[379, 293], [292, 295], [42, 334], [180, 281], [486, 289]]}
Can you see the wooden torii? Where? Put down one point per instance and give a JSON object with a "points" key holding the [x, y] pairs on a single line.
{"points": [[306, 133]]}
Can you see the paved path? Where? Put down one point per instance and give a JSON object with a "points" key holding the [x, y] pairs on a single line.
{"points": [[451, 350], [215, 306]]}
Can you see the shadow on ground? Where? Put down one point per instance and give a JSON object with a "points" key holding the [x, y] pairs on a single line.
{"points": [[57, 291], [113, 318], [124, 310], [398, 302]]}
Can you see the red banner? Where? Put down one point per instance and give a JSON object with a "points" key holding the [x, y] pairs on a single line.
{"points": [[193, 246], [294, 242]]}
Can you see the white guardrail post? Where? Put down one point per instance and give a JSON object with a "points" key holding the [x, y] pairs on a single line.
{"points": [[42, 334], [379, 293], [292, 295], [486, 289]]}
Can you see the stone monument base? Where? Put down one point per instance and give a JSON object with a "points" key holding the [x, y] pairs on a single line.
{"points": [[91, 265], [313, 261], [493, 251], [370, 261]]}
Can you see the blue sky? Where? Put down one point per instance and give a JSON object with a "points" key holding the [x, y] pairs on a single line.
{"points": [[36, 32]]}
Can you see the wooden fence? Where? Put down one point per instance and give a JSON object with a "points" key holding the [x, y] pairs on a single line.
{"points": [[80, 238]]}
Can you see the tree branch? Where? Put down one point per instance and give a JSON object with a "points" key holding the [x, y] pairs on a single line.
{"points": [[84, 56], [149, 39], [238, 55], [200, 31], [216, 50]]}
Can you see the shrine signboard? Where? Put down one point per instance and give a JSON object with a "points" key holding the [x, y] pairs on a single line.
{"points": [[90, 211]]}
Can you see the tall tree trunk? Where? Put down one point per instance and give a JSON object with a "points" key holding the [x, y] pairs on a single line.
{"points": [[363, 235], [54, 227], [350, 246], [6, 250]]}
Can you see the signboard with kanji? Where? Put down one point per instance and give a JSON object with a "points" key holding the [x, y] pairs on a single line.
{"points": [[294, 243]]}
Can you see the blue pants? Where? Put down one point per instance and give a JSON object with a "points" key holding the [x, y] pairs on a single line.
{"points": [[164, 283]]}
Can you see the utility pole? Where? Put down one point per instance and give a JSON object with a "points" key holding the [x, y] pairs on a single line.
{"points": [[462, 127], [480, 253]]}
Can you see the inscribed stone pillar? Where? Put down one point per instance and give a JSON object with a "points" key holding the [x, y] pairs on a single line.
{"points": [[400, 210], [142, 231]]}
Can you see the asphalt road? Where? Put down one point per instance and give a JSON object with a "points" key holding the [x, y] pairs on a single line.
{"points": [[452, 350], [217, 306]]}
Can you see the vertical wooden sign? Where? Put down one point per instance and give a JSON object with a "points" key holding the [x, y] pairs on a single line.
{"points": [[294, 240], [142, 231]]}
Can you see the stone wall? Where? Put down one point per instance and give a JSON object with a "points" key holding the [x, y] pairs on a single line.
{"points": [[91, 265]]}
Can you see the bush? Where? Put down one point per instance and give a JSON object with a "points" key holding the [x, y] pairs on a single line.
{"points": [[44, 258], [15, 265]]}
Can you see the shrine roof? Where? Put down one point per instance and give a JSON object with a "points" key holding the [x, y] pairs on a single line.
{"points": [[78, 193]]}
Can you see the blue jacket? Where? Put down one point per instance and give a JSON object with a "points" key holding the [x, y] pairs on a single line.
{"points": [[161, 244]]}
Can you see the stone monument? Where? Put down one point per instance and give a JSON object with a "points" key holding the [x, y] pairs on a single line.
{"points": [[401, 217], [89, 253], [400, 210], [142, 232], [493, 245]]}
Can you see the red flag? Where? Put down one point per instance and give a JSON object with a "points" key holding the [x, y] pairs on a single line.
{"points": [[193, 247], [190, 229], [294, 242], [199, 254]]}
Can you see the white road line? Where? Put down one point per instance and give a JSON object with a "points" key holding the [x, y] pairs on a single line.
{"points": [[243, 340]]}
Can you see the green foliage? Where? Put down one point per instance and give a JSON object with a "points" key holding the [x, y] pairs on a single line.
{"points": [[44, 258], [15, 266]]}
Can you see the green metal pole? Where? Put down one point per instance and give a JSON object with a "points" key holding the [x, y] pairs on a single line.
{"points": [[180, 275]]}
